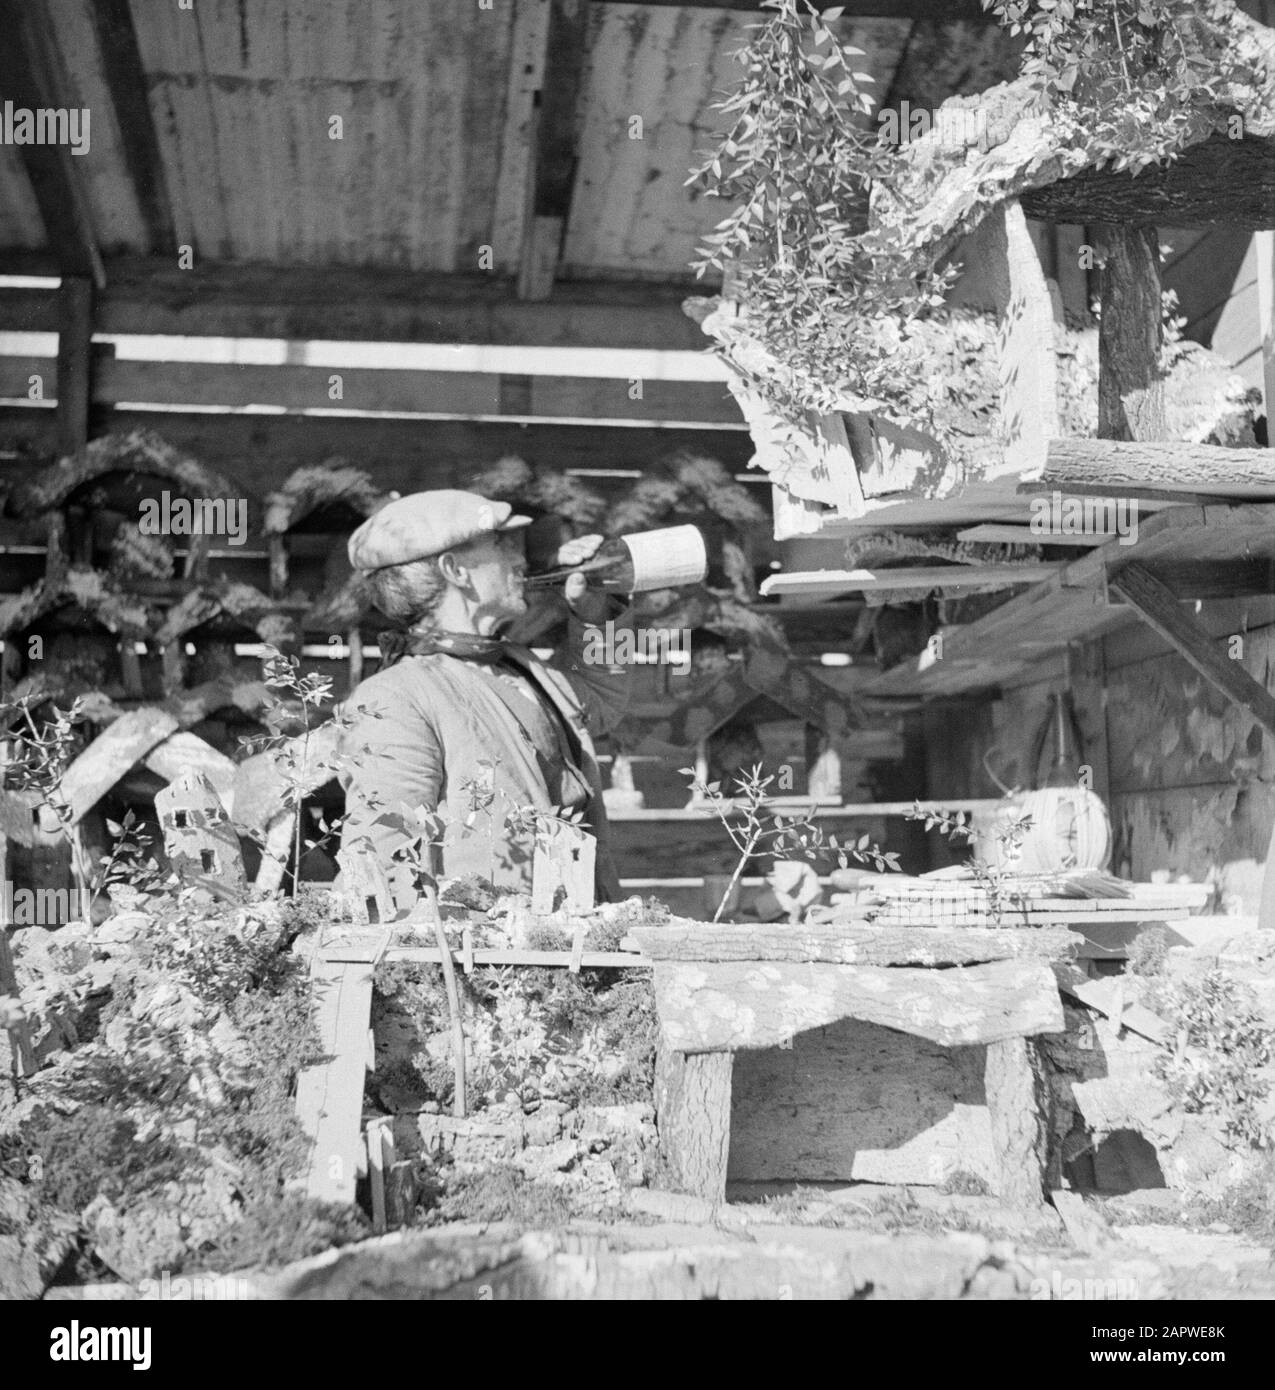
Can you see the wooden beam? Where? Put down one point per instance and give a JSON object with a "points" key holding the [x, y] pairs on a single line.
{"points": [[408, 454], [126, 81], [828, 582], [74, 365], [723, 1006], [1157, 607], [1219, 181], [968, 11], [553, 163], [471, 395], [358, 304], [1130, 335], [1080, 465], [994, 533], [514, 186], [851, 944], [32, 77], [1264, 253]]}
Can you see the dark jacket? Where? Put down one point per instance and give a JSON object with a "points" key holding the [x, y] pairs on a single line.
{"points": [[441, 725]]}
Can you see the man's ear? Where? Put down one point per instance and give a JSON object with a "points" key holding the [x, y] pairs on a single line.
{"points": [[453, 569]]}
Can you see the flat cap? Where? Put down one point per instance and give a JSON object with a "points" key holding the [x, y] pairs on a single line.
{"points": [[427, 523]]}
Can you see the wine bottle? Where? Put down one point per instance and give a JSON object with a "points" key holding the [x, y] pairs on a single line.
{"points": [[635, 564]]}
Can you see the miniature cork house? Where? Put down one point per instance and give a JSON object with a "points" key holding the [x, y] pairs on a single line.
{"points": [[200, 841]]}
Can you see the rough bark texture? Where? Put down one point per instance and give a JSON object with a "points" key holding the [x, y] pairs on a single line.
{"points": [[692, 1113], [1130, 335], [1018, 1102], [1074, 463], [855, 945], [1217, 181], [721, 1007]]}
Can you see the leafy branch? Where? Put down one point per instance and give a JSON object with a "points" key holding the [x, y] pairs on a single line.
{"points": [[309, 692], [1141, 78], [825, 295], [755, 828], [957, 827]]}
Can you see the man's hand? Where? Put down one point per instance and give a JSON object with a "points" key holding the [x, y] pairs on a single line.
{"points": [[590, 606]]}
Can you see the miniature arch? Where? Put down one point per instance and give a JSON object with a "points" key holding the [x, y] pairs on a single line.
{"points": [[127, 619], [246, 604], [157, 737], [140, 452], [314, 488]]}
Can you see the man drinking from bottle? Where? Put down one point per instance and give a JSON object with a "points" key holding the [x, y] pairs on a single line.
{"points": [[460, 720]]}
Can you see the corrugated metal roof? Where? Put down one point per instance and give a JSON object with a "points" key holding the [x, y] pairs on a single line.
{"points": [[630, 212], [243, 98]]}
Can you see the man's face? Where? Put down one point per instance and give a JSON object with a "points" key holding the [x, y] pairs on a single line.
{"points": [[497, 571]]}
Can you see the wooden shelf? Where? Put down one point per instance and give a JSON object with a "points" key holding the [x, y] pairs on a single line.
{"points": [[855, 808], [1195, 551]]}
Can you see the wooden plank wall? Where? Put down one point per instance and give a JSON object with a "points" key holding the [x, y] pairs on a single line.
{"points": [[1190, 779]]}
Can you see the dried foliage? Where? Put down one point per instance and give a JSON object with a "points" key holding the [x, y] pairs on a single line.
{"points": [[1220, 1049], [839, 306], [512, 479], [309, 489]]}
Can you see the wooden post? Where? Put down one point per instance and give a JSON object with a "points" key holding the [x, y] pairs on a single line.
{"points": [[453, 1007], [278, 566], [330, 1091], [1264, 252], [75, 337], [354, 641], [173, 660], [1130, 335], [130, 667], [1019, 1108], [692, 1114], [379, 1138]]}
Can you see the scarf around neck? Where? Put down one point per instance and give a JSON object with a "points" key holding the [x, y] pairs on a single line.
{"points": [[468, 646]]}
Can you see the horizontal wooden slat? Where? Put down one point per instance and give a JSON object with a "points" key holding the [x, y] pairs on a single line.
{"points": [[943, 11], [406, 455], [1072, 604], [993, 533], [387, 389], [829, 582], [852, 944], [355, 304], [431, 955]]}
